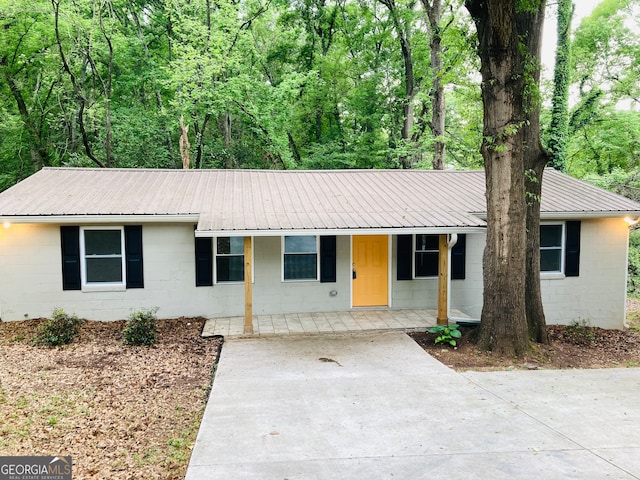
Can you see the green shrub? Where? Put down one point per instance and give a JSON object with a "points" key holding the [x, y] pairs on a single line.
{"points": [[141, 328], [60, 329], [580, 332], [633, 282], [446, 334]]}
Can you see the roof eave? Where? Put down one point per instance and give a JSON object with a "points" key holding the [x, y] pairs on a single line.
{"points": [[101, 219], [588, 215], [578, 215], [340, 231]]}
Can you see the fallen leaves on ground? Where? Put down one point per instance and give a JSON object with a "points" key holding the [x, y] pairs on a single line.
{"points": [[581, 347], [121, 412]]}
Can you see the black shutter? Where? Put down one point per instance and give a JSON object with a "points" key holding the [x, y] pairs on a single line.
{"points": [[328, 259], [458, 258], [572, 249], [204, 262], [133, 252], [70, 244], [404, 257]]}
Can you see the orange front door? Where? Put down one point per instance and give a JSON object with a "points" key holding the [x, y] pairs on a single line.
{"points": [[370, 270]]}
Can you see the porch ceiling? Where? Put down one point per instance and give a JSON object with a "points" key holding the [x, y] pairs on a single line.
{"points": [[269, 223]]}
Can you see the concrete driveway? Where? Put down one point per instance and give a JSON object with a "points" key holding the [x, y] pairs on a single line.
{"points": [[370, 406]]}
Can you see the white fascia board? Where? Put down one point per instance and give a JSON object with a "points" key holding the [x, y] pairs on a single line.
{"points": [[339, 231], [587, 215], [578, 215], [100, 219]]}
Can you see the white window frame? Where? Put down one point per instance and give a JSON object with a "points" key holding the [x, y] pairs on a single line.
{"points": [[215, 262], [562, 248], [282, 256], [102, 286], [415, 250]]}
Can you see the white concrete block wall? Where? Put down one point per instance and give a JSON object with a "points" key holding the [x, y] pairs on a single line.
{"points": [[422, 293], [272, 295], [598, 295], [31, 253], [466, 295]]}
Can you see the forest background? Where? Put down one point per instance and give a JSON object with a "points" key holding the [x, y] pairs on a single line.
{"points": [[297, 84]]}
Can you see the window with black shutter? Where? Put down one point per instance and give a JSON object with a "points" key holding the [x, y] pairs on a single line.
{"points": [[204, 262], [101, 257], [328, 259]]}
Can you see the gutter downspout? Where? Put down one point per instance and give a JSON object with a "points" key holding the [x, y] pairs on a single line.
{"points": [[453, 239]]}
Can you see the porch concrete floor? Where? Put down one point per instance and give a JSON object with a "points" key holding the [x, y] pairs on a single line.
{"points": [[353, 321]]}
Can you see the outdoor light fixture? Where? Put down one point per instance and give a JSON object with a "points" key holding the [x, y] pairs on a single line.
{"points": [[631, 221], [6, 224]]}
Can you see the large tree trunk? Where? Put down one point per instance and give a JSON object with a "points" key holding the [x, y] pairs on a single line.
{"points": [[434, 15], [504, 323], [536, 322], [535, 160]]}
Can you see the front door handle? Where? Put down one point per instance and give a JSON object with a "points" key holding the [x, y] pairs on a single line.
{"points": [[354, 274]]}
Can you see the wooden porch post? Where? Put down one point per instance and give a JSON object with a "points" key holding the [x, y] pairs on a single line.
{"points": [[248, 287], [443, 281]]}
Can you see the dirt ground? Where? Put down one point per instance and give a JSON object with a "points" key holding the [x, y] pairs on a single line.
{"points": [[579, 346], [121, 412], [133, 412]]}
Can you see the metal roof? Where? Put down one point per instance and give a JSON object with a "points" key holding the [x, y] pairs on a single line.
{"points": [[287, 200]]}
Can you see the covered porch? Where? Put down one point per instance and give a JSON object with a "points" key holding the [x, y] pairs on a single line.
{"points": [[315, 323]]}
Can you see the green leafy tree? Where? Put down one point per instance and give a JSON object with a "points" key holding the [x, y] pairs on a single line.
{"points": [[28, 88]]}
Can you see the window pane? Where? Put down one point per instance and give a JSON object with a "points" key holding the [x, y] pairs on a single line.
{"points": [[300, 267], [550, 235], [427, 264], [237, 245], [104, 270], [427, 242], [230, 245], [304, 244], [230, 269], [223, 244], [550, 260], [102, 242]]}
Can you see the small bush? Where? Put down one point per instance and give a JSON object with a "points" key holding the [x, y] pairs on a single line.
{"points": [[60, 329], [580, 332], [141, 328], [446, 333]]}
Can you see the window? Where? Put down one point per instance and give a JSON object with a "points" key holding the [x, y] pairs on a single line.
{"points": [[300, 258], [230, 259], [418, 257], [426, 256], [551, 248], [102, 256]]}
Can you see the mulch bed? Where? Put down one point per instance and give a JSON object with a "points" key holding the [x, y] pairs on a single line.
{"points": [[121, 412], [569, 347]]}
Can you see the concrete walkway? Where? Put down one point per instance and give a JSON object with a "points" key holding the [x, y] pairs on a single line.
{"points": [[371, 406], [352, 321]]}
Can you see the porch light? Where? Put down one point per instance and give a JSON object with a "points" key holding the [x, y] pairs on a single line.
{"points": [[631, 221], [6, 224]]}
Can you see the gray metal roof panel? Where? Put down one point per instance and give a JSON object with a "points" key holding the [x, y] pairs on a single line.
{"points": [[286, 200]]}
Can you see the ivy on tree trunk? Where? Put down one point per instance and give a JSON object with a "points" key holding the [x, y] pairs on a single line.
{"points": [[559, 130]]}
